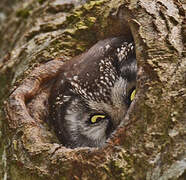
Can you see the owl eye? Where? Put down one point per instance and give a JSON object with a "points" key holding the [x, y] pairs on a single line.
{"points": [[96, 118], [132, 95]]}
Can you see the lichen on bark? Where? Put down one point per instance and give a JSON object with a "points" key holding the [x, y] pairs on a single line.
{"points": [[150, 145]]}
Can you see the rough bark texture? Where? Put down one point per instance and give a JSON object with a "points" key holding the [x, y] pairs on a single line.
{"points": [[38, 36]]}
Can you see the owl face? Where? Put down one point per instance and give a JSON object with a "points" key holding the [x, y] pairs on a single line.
{"points": [[93, 93]]}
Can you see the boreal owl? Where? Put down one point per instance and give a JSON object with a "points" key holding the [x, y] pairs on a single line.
{"points": [[93, 92]]}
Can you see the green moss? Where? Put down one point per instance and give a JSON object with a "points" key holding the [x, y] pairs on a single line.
{"points": [[81, 17], [72, 19], [82, 29], [93, 4], [3, 89], [63, 178], [90, 21], [86, 23], [41, 1], [23, 13], [117, 169]]}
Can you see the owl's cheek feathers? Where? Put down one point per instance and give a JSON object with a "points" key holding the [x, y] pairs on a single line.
{"points": [[96, 132], [83, 133]]}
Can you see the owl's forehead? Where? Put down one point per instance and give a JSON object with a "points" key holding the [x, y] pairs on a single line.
{"points": [[96, 79], [93, 74]]}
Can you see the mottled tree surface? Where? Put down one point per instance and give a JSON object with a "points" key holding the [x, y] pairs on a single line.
{"points": [[38, 36]]}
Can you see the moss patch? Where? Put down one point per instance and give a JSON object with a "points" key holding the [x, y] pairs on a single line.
{"points": [[23, 13]]}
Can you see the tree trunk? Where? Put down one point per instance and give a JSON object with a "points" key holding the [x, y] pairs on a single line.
{"points": [[37, 37]]}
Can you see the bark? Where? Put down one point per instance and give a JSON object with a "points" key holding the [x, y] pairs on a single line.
{"points": [[38, 36]]}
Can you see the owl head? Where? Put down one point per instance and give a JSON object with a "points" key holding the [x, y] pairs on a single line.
{"points": [[93, 92]]}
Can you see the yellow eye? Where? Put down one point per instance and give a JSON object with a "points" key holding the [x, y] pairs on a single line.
{"points": [[132, 95], [96, 118]]}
